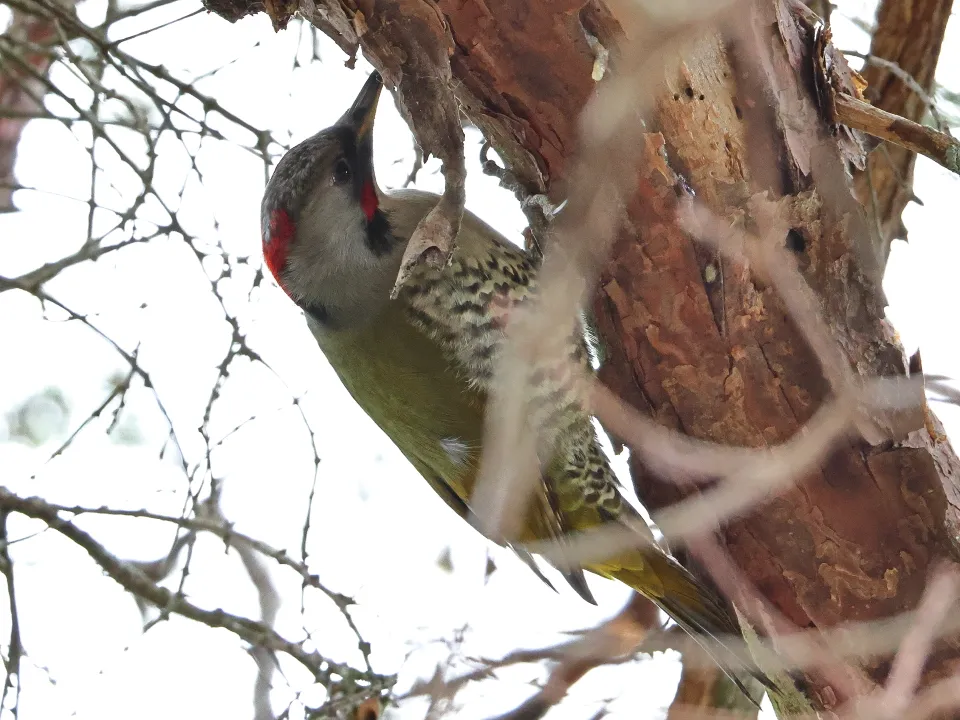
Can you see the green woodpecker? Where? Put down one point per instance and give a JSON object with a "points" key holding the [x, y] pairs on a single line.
{"points": [[420, 365]]}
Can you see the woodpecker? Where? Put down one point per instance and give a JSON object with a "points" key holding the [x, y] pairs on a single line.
{"points": [[421, 365]]}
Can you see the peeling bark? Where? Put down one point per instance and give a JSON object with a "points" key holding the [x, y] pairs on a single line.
{"points": [[694, 340], [707, 349]]}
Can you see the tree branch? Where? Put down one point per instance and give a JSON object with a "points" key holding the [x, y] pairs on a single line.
{"points": [[939, 147], [136, 582]]}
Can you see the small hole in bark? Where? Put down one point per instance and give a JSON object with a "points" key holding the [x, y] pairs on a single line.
{"points": [[738, 111], [701, 96], [689, 92], [795, 241], [676, 96], [369, 709]]}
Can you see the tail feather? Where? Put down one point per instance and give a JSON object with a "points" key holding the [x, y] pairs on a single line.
{"points": [[698, 610], [575, 577]]}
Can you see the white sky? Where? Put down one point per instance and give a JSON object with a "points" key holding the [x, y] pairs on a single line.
{"points": [[377, 528]]}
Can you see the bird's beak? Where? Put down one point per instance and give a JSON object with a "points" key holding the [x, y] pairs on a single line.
{"points": [[360, 115]]}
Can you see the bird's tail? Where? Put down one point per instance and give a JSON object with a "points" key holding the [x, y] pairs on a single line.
{"points": [[698, 610]]}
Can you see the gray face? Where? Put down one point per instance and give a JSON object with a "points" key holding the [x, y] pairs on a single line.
{"points": [[339, 157], [304, 165], [324, 237]]}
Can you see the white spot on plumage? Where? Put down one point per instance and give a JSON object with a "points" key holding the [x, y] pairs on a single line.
{"points": [[456, 449]]}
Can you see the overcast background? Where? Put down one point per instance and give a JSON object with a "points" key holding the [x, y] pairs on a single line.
{"points": [[378, 532]]}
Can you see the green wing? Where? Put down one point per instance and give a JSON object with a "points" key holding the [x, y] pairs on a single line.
{"points": [[403, 381], [421, 370], [423, 380]]}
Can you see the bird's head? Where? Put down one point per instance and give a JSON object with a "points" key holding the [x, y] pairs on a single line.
{"points": [[325, 239]]}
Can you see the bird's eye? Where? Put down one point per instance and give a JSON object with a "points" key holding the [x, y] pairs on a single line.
{"points": [[341, 172]]}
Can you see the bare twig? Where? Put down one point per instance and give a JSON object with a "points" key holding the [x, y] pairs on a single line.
{"points": [[909, 80], [938, 146], [13, 680], [615, 641], [135, 581]]}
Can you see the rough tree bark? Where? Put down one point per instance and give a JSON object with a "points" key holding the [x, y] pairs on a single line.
{"points": [[692, 339]]}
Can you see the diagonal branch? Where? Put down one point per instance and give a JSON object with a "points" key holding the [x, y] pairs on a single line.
{"points": [[938, 146], [135, 581]]}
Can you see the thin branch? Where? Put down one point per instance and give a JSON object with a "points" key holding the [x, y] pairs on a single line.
{"points": [[13, 680], [616, 641], [937, 146], [909, 80], [613, 641], [136, 582]]}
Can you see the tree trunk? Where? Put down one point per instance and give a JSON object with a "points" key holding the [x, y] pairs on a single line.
{"points": [[20, 95], [909, 35], [695, 340]]}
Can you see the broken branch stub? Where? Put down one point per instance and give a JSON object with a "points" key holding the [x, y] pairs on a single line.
{"points": [[433, 239]]}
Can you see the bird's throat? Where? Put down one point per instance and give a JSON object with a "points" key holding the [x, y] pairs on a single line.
{"points": [[380, 238]]}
